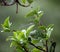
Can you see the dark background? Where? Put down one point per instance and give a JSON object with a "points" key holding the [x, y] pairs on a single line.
{"points": [[51, 15]]}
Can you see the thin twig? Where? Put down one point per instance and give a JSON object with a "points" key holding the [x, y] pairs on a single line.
{"points": [[46, 45], [26, 50], [37, 47], [16, 7], [23, 47]]}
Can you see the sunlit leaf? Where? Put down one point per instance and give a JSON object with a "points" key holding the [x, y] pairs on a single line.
{"points": [[20, 36], [24, 32], [6, 25], [49, 30]]}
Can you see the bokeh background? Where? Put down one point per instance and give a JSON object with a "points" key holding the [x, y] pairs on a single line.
{"points": [[51, 15]]}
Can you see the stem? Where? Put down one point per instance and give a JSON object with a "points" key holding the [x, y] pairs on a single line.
{"points": [[23, 47], [52, 47], [46, 45], [26, 50], [37, 47], [16, 7]]}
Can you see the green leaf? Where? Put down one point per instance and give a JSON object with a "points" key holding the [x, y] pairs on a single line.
{"points": [[24, 32], [50, 26], [38, 16], [6, 25], [33, 34], [13, 43], [20, 50], [24, 1], [42, 27], [29, 29], [43, 35], [36, 50], [35, 13], [20, 36], [30, 1], [6, 30], [10, 38], [49, 30], [40, 13], [31, 13]]}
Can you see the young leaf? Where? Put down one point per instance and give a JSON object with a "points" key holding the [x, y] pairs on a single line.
{"points": [[32, 13], [24, 32], [49, 30], [20, 36], [40, 13], [6, 25]]}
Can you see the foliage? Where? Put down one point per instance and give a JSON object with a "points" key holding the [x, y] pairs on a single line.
{"points": [[33, 35]]}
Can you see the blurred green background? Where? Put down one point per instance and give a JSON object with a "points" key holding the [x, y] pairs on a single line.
{"points": [[51, 15]]}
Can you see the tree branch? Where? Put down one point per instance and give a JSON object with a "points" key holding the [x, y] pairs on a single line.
{"points": [[5, 3]]}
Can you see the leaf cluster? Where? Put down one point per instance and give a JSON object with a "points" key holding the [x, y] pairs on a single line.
{"points": [[33, 35]]}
